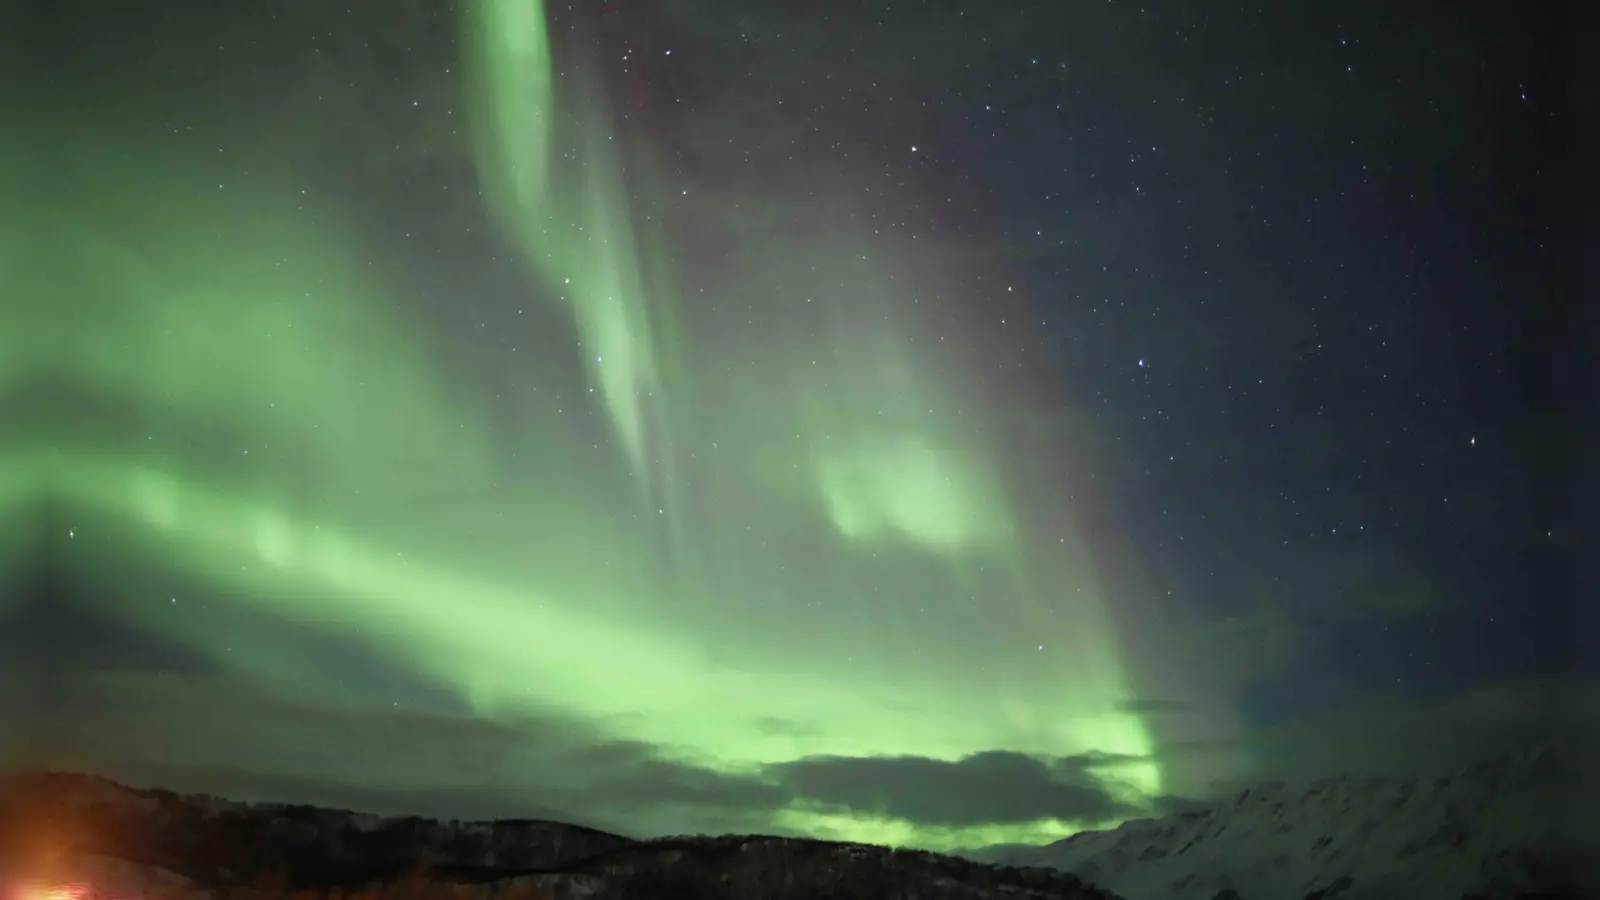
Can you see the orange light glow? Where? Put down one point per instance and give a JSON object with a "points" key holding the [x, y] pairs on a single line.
{"points": [[52, 891]]}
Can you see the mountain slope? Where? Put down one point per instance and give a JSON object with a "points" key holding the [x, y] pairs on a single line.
{"points": [[1501, 828]]}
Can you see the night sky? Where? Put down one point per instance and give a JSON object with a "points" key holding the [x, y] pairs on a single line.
{"points": [[926, 423]]}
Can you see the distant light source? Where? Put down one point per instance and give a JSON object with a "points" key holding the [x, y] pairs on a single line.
{"points": [[34, 890]]}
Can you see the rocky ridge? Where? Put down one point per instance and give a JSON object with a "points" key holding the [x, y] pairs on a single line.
{"points": [[110, 841]]}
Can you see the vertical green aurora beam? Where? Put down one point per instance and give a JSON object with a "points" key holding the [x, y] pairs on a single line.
{"points": [[578, 241]]}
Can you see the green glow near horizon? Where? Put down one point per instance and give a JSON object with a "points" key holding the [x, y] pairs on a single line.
{"points": [[848, 499]]}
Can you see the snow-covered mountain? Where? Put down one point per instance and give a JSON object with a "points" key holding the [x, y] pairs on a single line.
{"points": [[1502, 828]]}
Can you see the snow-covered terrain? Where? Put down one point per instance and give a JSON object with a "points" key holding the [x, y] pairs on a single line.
{"points": [[1497, 829]]}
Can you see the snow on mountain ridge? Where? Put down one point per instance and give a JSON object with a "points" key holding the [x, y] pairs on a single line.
{"points": [[1488, 830]]}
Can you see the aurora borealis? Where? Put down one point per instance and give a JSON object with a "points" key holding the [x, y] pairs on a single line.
{"points": [[501, 457]]}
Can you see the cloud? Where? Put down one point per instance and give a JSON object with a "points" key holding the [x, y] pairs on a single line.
{"points": [[635, 775], [239, 737], [1080, 765], [1171, 805], [1401, 736], [1145, 707], [1364, 582], [1238, 651], [991, 787], [242, 738], [776, 727], [43, 631], [129, 719], [447, 802]]}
